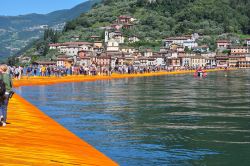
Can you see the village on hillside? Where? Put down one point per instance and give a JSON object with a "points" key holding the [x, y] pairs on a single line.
{"points": [[110, 52]]}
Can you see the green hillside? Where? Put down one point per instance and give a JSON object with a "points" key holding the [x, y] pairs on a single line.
{"points": [[161, 18], [18, 31]]}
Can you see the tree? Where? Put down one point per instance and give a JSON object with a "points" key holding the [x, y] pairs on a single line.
{"points": [[51, 36], [12, 61]]}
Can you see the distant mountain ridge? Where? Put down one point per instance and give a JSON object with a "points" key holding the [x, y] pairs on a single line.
{"points": [[13, 29], [52, 18]]}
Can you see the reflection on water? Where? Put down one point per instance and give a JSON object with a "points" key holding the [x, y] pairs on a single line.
{"points": [[166, 120]]}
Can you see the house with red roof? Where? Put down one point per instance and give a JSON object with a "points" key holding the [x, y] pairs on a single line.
{"points": [[124, 19], [223, 44]]}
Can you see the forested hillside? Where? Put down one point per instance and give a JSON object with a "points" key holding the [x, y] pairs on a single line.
{"points": [[160, 18]]}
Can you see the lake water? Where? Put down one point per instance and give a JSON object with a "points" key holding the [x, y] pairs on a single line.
{"points": [[166, 120]]}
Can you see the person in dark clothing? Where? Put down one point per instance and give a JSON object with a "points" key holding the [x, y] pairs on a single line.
{"points": [[5, 76]]}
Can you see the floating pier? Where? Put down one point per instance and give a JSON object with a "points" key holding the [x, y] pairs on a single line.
{"points": [[33, 138]]}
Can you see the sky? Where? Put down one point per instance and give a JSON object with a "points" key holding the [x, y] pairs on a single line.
{"points": [[20, 7]]}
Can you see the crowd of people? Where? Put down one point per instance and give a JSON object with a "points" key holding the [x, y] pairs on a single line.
{"points": [[59, 71]]}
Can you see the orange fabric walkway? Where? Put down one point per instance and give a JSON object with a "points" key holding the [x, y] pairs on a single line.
{"points": [[33, 138]]}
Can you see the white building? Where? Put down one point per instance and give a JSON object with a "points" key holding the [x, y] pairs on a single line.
{"points": [[198, 61], [148, 53], [85, 61], [85, 47], [72, 50], [62, 49], [173, 54], [190, 43], [133, 39], [248, 42], [186, 61], [54, 46], [211, 62], [129, 50], [185, 41], [176, 40], [159, 61], [113, 62], [113, 45], [117, 35]]}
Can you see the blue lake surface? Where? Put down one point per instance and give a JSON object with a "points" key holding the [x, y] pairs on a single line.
{"points": [[166, 120]]}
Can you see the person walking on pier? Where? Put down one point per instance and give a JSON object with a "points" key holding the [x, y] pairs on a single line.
{"points": [[5, 77]]}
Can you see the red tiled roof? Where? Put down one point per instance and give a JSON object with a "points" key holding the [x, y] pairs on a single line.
{"points": [[177, 38], [103, 57], [55, 44], [222, 57], [157, 56], [238, 53], [65, 59], [197, 57], [223, 41], [239, 47], [93, 36], [123, 16], [127, 24], [78, 43], [71, 43], [85, 57]]}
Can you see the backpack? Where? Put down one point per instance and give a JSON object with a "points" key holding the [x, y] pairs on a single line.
{"points": [[2, 88], [28, 69]]}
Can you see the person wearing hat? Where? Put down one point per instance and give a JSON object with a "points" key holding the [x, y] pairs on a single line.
{"points": [[5, 76]]}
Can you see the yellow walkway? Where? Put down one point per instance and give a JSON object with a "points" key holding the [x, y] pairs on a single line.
{"points": [[33, 138]]}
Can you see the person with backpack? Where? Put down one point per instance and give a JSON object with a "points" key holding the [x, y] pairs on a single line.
{"points": [[6, 81], [28, 71]]}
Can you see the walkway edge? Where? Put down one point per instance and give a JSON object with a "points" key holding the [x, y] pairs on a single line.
{"points": [[33, 138]]}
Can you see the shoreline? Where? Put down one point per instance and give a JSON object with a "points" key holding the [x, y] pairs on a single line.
{"points": [[38, 80]]}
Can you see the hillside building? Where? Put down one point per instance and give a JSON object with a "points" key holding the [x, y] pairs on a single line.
{"points": [[112, 46], [223, 44], [248, 42], [239, 50]]}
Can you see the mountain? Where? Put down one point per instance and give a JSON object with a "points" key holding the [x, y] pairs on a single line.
{"points": [[154, 20], [17, 31], [157, 19]]}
